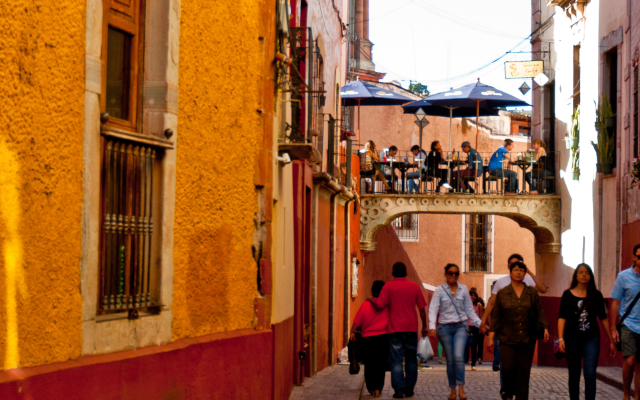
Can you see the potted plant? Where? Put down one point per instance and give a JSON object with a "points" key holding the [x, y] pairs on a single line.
{"points": [[575, 163], [605, 123], [635, 173], [573, 137]]}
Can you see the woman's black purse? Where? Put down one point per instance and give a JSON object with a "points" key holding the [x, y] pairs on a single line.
{"points": [[536, 330]]}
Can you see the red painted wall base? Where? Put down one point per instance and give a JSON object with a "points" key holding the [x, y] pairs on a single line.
{"points": [[235, 365]]}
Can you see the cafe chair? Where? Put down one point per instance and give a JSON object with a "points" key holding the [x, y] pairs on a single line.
{"points": [[468, 180], [424, 184], [489, 179], [547, 181]]}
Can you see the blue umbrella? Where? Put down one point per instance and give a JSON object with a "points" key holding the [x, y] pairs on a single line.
{"points": [[440, 111], [359, 93], [474, 95]]}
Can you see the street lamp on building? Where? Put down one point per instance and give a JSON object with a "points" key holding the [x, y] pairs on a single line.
{"points": [[421, 121]]}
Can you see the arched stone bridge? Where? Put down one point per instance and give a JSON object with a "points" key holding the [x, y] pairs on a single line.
{"points": [[539, 214]]}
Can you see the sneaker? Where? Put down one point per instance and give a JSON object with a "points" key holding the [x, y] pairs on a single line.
{"points": [[446, 186]]}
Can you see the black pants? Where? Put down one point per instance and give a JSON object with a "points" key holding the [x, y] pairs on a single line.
{"points": [[480, 345], [516, 368], [376, 356], [472, 345]]}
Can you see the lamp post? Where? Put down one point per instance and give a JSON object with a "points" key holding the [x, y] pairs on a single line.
{"points": [[421, 121]]}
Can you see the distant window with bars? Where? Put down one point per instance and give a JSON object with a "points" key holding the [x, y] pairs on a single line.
{"points": [[406, 227], [128, 274], [478, 242]]}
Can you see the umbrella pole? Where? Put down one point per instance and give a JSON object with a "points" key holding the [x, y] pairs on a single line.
{"points": [[450, 122], [358, 121], [477, 117]]}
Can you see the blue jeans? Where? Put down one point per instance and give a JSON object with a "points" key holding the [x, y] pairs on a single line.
{"points": [[411, 183], [511, 175], [403, 345], [454, 341], [581, 352]]}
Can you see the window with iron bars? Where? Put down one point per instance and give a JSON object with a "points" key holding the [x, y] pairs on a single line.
{"points": [[128, 274], [478, 243], [406, 227]]}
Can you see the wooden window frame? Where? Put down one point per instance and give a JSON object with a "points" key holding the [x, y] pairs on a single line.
{"points": [[130, 20], [472, 239]]}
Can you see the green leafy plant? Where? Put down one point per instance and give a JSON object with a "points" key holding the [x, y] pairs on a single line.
{"points": [[606, 141], [575, 123], [635, 173], [419, 89]]}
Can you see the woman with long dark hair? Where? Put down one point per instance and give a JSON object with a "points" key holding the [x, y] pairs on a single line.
{"points": [[578, 331], [435, 159]]}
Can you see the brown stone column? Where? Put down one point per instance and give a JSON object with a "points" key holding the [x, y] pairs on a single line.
{"points": [[365, 21]]}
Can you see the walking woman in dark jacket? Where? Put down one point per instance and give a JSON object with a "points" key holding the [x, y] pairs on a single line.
{"points": [[578, 331], [514, 320]]}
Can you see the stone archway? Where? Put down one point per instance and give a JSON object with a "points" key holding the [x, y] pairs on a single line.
{"points": [[539, 214]]}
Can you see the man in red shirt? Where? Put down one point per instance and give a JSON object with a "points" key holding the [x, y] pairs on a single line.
{"points": [[402, 297]]}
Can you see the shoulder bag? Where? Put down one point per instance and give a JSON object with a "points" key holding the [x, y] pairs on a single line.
{"points": [[619, 325], [466, 325]]}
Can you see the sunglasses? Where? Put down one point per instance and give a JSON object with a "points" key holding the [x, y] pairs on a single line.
{"points": [[453, 273]]}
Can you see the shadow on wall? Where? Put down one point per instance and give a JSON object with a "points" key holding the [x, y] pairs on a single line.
{"points": [[210, 273], [11, 263]]}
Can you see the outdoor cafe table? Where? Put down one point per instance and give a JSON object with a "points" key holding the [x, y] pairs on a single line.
{"points": [[454, 164], [524, 164], [400, 165]]}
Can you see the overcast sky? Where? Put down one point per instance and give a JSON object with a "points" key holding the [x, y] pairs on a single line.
{"points": [[476, 31]]}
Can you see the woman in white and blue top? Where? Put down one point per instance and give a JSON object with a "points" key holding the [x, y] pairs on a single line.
{"points": [[455, 308]]}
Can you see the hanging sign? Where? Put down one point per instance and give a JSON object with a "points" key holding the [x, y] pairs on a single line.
{"points": [[522, 69]]}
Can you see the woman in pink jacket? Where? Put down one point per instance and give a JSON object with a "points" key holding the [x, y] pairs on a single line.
{"points": [[375, 343]]}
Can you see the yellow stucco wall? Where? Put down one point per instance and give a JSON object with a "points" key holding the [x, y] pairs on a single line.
{"points": [[219, 133], [41, 134]]}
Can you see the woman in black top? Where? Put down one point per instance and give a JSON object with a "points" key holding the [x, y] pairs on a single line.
{"points": [[434, 160], [578, 331]]}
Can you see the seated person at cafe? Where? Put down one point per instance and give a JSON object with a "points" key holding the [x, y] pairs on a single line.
{"points": [[372, 159], [473, 170], [499, 160], [419, 157], [386, 169], [434, 161], [539, 168]]}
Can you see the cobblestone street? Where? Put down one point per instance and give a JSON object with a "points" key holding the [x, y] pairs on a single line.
{"points": [[546, 384]]}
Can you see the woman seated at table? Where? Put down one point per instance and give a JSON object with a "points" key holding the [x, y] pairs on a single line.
{"points": [[371, 158], [538, 171], [434, 161]]}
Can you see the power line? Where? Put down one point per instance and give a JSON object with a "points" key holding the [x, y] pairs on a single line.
{"points": [[464, 22]]}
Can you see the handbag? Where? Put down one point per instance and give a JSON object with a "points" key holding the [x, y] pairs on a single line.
{"points": [[536, 330], [354, 365], [466, 326], [619, 325]]}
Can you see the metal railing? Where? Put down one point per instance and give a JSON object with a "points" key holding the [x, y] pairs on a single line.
{"points": [[451, 172]]}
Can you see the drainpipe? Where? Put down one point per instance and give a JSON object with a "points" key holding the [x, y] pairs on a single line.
{"points": [[332, 275]]}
